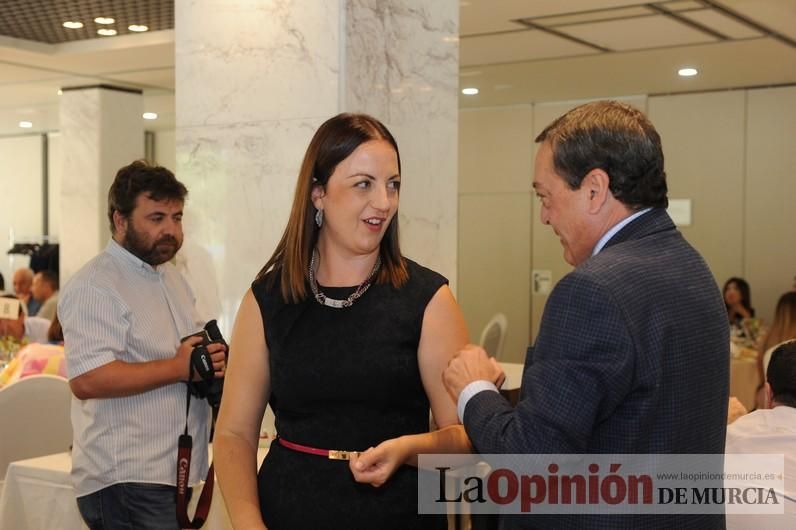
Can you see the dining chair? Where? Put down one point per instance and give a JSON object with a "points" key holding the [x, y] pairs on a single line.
{"points": [[34, 418], [494, 335]]}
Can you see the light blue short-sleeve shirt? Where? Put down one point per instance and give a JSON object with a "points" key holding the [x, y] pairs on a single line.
{"points": [[119, 308]]}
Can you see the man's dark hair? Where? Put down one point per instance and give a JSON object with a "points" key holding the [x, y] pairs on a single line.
{"points": [[2, 282], [616, 138], [157, 182], [49, 277], [781, 374]]}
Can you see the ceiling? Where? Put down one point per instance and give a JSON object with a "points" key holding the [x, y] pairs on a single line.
{"points": [[41, 20], [513, 51]]}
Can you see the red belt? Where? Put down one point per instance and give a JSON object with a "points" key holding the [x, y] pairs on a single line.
{"points": [[331, 454]]}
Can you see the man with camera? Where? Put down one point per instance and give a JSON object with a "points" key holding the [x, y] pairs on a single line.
{"points": [[124, 316]]}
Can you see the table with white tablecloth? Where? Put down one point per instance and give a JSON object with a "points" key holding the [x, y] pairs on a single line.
{"points": [[38, 495]]}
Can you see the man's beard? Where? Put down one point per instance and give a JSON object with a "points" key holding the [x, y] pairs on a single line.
{"points": [[155, 253]]}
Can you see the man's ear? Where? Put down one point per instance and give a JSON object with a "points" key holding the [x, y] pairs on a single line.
{"points": [[596, 184], [317, 195], [119, 223], [769, 395]]}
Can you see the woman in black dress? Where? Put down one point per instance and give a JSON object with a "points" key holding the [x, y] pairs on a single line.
{"points": [[347, 340]]}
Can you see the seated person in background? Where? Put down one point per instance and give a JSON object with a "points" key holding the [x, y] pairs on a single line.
{"points": [[771, 430], [35, 359], [55, 335], [34, 329], [23, 280], [45, 291], [738, 300], [782, 329]]}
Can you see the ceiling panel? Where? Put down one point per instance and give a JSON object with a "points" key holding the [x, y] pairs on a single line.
{"points": [[489, 16], [146, 57], [638, 33], [682, 5], [779, 15], [155, 78], [722, 65], [594, 16], [30, 94], [722, 23], [521, 45], [16, 73]]}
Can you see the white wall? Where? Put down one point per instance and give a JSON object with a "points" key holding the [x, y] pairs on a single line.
{"points": [[54, 182], [494, 221], [733, 153], [166, 150], [22, 207]]}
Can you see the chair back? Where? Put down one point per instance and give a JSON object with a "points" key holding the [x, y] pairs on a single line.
{"points": [[494, 335], [34, 418]]}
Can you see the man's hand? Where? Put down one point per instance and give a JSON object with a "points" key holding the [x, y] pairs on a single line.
{"points": [[183, 358], [218, 354], [471, 364]]}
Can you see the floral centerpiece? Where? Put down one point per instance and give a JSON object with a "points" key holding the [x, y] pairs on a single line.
{"points": [[749, 334], [9, 346]]}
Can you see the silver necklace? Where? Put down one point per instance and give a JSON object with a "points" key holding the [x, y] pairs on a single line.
{"points": [[334, 302]]}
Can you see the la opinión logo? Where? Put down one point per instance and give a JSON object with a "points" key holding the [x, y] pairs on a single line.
{"points": [[504, 486]]}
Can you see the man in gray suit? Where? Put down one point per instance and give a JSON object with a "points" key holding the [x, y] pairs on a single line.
{"points": [[632, 354]]}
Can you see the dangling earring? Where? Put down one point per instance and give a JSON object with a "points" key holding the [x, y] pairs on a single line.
{"points": [[319, 217]]}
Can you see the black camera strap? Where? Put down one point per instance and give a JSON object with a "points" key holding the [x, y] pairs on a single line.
{"points": [[185, 445]]}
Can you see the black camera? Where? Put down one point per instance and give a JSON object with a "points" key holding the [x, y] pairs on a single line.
{"points": [[209, 387]]}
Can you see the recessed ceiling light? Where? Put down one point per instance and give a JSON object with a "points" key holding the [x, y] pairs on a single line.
{"points": [[687, 72], [138, 27], [150, 115], [60, 92], [72, 24], [470, 91], [104, 20], [106, 32], [26, 124]]}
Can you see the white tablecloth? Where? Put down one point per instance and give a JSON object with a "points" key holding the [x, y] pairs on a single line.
{"points": [[38, 495]]}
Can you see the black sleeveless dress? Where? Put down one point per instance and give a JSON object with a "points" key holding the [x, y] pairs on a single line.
{"points": [[344, 379]]}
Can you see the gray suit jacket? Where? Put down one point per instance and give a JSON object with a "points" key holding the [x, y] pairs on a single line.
{"points": [[632, 356]]}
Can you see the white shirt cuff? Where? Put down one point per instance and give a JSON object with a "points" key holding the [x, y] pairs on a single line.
{"points": [[469, 391]]}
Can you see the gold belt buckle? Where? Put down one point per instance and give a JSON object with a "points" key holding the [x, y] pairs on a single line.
{"points": [[336, 454]]}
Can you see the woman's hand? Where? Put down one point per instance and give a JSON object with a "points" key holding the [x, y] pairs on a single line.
{"points": [[376, 465]]}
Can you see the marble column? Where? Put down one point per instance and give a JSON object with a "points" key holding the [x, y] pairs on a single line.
{"points": [[255, 79], [101, 131]]}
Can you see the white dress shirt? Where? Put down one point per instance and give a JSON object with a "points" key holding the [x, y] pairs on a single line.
{"points": [[770, 431]]}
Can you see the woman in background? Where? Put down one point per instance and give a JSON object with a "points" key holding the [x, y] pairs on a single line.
{"points": [[738, 300], [347, 340], [782, 329]]}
